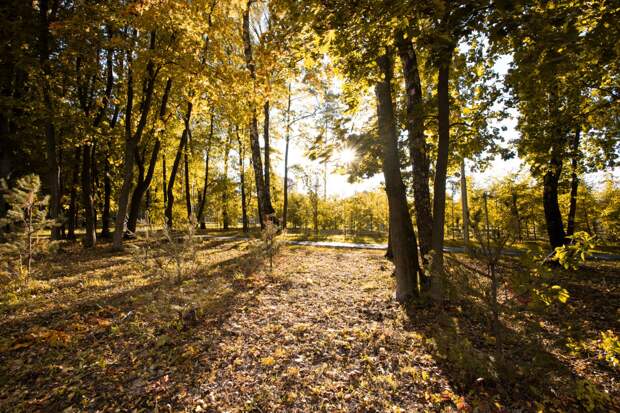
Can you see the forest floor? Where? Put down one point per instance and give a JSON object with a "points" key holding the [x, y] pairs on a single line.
{"points": [[102, 331]]}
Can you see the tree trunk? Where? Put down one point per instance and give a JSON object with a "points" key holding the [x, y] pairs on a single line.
{"points": [[403, 240], [188, 195], [264, 202], [72, 221], [553, 215], [132, 140], [50, 130], [464, 206], [203, 198], [107, 184], [175, 167], [164, 178], [244, 210], [417, 143], [574, 185], [267, 151], [90, 238], [225, 220], [441, 168], [144, 182], [287, 139]]}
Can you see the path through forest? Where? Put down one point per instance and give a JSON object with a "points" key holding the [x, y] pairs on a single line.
{"points": [[97, 332]]}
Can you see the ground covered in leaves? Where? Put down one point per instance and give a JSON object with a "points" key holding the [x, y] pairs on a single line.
{"points": [[100, 331]]}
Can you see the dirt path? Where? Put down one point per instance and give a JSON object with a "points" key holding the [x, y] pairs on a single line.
{"points": [[324, 336], [320, 333]]}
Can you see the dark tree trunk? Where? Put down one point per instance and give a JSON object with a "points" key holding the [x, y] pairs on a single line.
{"points": [[203, 198], [441, 168], [244, 211], [403, 240], [72, 221], [164, 179], [553, 215], [107, 196], [267, 152], [287, 140], [50, 131], [464, 206], [225, 220], [264, 202], [417, 143], [107, 185], [574, 185], [144, 182], [90, 237], [175, 167], [389, 253], [188, 195], [132, 140]]}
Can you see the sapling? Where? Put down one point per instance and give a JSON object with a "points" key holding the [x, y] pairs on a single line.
{"points": [[20, 228]]}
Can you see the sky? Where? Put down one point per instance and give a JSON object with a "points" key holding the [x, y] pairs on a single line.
{"points": [[338, 185]]}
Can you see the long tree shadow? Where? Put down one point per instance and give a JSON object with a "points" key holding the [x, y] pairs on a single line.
{"points": [[143, 343], [525, 373]]}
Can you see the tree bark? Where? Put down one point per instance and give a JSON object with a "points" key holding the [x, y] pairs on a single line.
{"points": [[132, 140], [403, 240], [287, 140], [244, 211], [264, 202], [464, 206], [417, 143], [203, 198], [441, 168], [225, 220], [72, 218], [267, 151], [574, 184], [144, 180], [175, 167], [90, 237], [553, 215], [50, 130], [188, 194]]}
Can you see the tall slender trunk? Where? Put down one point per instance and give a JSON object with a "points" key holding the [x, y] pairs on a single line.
{"points": [[403, 239], [133, 139], [553, 215], [514, 206], [72, 221], [164, 179], [417, 143], [175, 166], [144, 180], [244, 211], [188, 194], [287, 138], [441, 168], [50, 130], [107, 195], [203, 198], [464, 205], [107, 184], [264, 202], [90, 237], [225, 220], [267, 151], [574, 184]]}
